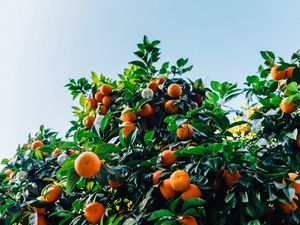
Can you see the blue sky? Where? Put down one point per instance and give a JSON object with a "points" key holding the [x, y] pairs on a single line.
{"points": [[43, 43]]}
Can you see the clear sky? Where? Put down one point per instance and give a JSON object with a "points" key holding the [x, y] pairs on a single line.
{"points": [[43, 43]]}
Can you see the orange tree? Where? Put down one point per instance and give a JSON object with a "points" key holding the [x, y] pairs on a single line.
{"points": [[155, 148]]}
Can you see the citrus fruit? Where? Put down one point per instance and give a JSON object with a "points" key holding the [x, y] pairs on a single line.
{"points": [[128, 115], [36, 144], [87, 164], [174, 91], [287, 107], [51, 193], [88, 121], [166, 190], [171, 107], [180, 180], [167, 157], [184, 132], [155, 176], [188, 220], [192, 192], [105, 89], [93, 212], [128, 127]]}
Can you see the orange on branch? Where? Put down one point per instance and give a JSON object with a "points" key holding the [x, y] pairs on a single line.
{"points": [[51, 193], [128, 115], [103, 109], [288, 208], [36, 144], [188, 220], [105, 89], [106, 101], [88, 121], [185, 132], [231, 178], [192, 192], [171, 107], [146, 110], [166, 190], [128, 127], [292, 177], [277, 75], [91, 104], [167, 157], [42, 219], [153, 86], [161, 80], [289, 107], [289, 72], [94, 212], [87, 164], [155, 176], [174, 91], [42, 209], [180, 180], [98, 96]]}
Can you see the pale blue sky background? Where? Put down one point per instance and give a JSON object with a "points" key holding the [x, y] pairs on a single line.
{"points": [[43, 43]]}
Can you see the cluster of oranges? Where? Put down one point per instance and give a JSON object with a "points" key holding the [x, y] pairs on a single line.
{"points": [[179, 182], [103, 98], [286, 107]]}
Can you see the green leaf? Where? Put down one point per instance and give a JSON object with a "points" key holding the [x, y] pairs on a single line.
{"points": [[216, 86], [148, 138], [254, 222], [72, 180], [160, 213], [105, 121], [192, 203]]}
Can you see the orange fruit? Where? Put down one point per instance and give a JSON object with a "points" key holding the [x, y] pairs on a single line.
{"points": [[8, 172], [277, 75], [105, 89], [128, 115], [128, 127], [231, 178], [171, 107], [192, 192], [292, 177], [287, 107], [146, 110], [184, 132], [166, 190], [51, 193], [180, 180], [174, 91], [103, 109], [91, 104], [289, 72], [106, 100], [93, 212], [167, 157], [98, 96], [287, 208], [113, 184], [155, 176], [36, 144], [153, 86], [188, 220], [42, 219], [72, 152], [56, 152], [161, 80], [88, 121], [87, 164], [40, 210]]}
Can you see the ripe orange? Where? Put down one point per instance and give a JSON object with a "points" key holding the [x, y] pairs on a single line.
{"points": [[40, 210], [287, 208], [42, 219], [128, 115], [98, 96], [128, 127], [113, 184], [88, 121], [146, 110], [153, 86], [72, 152], [287, 107], [166, 190], [51, 193], [155, 176], [103, 109], [56, 152], [8, 172], [161, 80], [289, 72], [87, 164], [188, 220], [91, 104], [277, 75], [36, 144], [93, 212], [106, 100], [174, 91], [171, 107], [292, 177], [180, 180], [184, 132], [231, 178], [167, 158], [192, 192], [105, 89]]}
